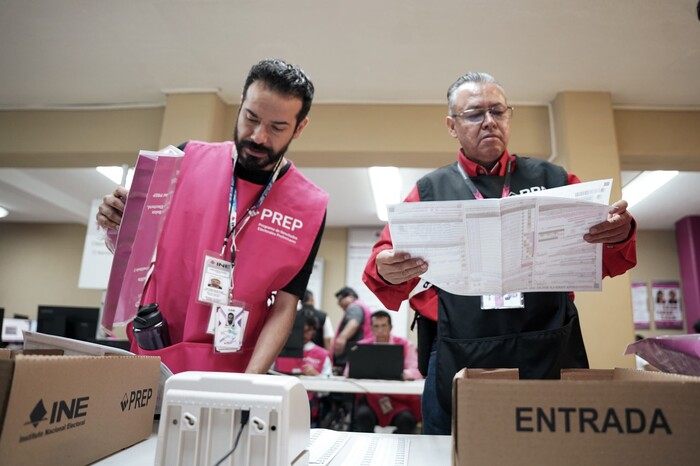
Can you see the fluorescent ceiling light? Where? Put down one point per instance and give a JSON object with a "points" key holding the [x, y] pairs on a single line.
{"points": [[646, 183], [4, 212], [386, 188], [119, 175]]}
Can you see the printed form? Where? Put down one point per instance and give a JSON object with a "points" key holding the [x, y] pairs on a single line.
{"points": [[531, 242]]}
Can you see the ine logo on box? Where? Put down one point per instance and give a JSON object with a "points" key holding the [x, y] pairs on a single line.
{"points": [[60, 410], [136, 399], [63, 415]]}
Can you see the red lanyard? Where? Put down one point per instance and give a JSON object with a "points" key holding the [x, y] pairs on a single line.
{"points": [[475, 192]]}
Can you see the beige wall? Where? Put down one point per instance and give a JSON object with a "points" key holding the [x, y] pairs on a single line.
{"points": [[587, 146], [333, 250], [77, 138], [40, 264], [658, 140], [339, 135], [657, 260]]}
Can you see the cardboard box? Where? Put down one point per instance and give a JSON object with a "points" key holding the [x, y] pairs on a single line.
{"points": [[73, 410], [590, 417]]}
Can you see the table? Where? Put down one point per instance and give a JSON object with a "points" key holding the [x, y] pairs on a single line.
{"points": [[433, 450], [347, 385]]}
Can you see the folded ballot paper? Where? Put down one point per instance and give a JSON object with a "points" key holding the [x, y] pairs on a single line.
{"points": [[675, 354], [146, 206], [530, 242]]}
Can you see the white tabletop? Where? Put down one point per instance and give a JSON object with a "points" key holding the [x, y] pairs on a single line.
{"points": [[433, 450], [347, 385]]}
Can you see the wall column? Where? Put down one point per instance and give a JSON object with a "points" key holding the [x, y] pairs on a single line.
{"points": [[688, 239], [200, 116], [586, 146]]}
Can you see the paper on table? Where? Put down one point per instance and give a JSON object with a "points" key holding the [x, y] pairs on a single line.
{"points": [[530, 242], [70, 347]]}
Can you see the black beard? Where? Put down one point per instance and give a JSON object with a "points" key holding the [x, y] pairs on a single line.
{"points": [[256, 163]]}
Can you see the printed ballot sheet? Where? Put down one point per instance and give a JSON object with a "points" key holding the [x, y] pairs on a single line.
{"points": [[531, 242]]}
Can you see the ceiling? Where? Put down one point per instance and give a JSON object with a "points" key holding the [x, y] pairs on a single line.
{"points": [[101, 54]]}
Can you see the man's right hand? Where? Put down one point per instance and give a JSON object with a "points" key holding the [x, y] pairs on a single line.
{"points": [[398, 267], [109, 214]]}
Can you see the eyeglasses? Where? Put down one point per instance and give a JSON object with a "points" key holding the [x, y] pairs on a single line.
{"points": [[476, 116]]}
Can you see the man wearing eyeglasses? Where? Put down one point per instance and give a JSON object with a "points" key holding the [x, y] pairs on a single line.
{"points": [[539, 333]]}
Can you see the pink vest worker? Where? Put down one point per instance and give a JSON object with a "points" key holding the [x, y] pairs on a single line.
{"points": [[271, 251]]}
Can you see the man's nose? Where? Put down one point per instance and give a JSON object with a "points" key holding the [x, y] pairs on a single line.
{"points": [[489, 120], [260, 135]]}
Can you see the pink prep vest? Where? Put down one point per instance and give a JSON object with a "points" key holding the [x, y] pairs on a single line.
{"points": [[272, 249], [398, 402], [315, 357]]}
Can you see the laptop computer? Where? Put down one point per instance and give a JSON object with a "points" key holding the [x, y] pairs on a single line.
{"points": [[376, 361]]}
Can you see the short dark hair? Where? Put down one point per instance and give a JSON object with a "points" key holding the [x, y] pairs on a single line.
{"points": [[380, 314], [283, 78], [308, 296], [345, 291], [471, 77], [310, 319]]}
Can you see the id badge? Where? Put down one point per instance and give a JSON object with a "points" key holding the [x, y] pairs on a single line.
{"points": [[215, 281], [385, 404], [230, 328], [505, 301]]}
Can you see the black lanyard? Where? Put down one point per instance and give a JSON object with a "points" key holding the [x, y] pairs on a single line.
{"points": [[475, 192]]}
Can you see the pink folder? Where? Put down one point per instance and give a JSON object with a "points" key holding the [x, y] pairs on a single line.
{"points": [[146, 206]]}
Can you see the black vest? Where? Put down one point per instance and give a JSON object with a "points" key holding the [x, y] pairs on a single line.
{"points": [[540, 339]]}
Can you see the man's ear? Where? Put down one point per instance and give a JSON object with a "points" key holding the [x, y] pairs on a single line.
{"points": [[450, 122], [300, 127]]}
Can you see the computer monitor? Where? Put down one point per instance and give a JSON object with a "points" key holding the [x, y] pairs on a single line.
{"points": [[294, 347], [78, 323]]}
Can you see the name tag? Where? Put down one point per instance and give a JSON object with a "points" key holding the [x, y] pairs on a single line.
{"points": [[503, 301]]}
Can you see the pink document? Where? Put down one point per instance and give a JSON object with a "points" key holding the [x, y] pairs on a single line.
{"points": [[145, 209], [677, 354]]}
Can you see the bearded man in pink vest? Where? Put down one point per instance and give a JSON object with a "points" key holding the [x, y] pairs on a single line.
{"points": [[240, 210], [401, 411]]}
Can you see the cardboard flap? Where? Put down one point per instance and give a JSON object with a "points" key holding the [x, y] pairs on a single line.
{"points": [[37, 352], [488, 374], [587, 374], [651, 376]]}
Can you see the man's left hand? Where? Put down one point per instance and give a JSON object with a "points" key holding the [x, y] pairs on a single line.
{"points": [[615, 229]]}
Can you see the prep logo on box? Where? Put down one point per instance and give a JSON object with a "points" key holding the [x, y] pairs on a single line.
{"points": [[60, 417], [136, 399]]}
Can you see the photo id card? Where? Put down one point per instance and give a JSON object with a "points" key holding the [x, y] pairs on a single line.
{"points": [[215, 280], [505, 301], [230, 328]]}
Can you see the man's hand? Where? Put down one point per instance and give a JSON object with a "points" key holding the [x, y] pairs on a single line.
{"points": [[307, 369], [615, 229], [110, 212], [340, 343], [398, 267]]}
